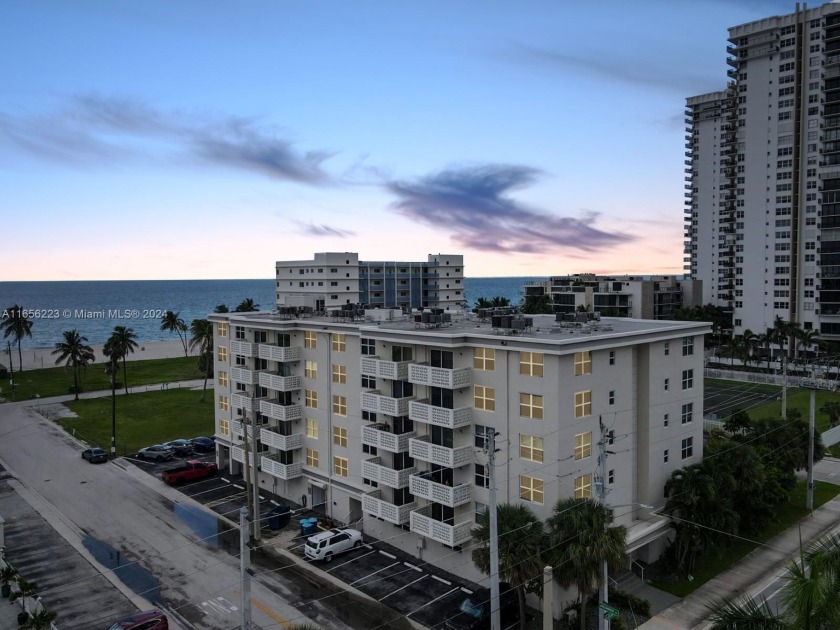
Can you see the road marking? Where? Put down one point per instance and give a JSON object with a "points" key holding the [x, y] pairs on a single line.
{"points": [[411, 566], [274, 502], [440, 579], [225, 480], [431, 602], [385, 553], [422, 577], [466, 590], [221, 605], [236, 485], [374, 573], [349, 561], [264, 608]]}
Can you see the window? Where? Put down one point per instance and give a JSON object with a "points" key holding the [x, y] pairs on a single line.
{"points": [[368, 382], [312, 428], [665, 456], [583, 445], [531, 489], [339, 405], [401, 353], [583, 363], [667, 348], [239, 332], [310, 339], [224, 427], [484, 398], [223, 353], [687, 413], [612, 357], [687, 447], [583, 486], [687, 379], [667, 383], [481, 433], [312, 457], [531, 363], [339, 342], [368, 346], [611, 477], [310, 369], [224, 405], [339, 373], [531, 406], [612, 397], [480, 511], [583, 404], [531, 448], [484, 359], [687, 346], [311, 398], [340, 436], [223, 379], [222, 329], [482, 476], [340, 466], [666, 420]]}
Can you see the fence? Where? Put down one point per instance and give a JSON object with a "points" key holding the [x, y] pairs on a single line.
{"points": [[771, 379]]}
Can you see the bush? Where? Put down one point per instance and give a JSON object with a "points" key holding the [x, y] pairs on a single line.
{"points": [[618, 623], [628, 601]]}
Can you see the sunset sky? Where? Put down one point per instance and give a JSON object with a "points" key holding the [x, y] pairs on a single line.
{"points": [[208, 139]]}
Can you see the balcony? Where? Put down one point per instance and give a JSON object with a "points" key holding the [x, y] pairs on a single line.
{"points": [[274, 468], [276, 353], [393, 370], [423, 449], [243, 348], [244, 401], [374, 470], [379, 436], [375, 402], [424, 374], [422, 411], [424, 488], [284, 413], [237, 454], [241, 375], [274, 439], [396, 514], [280, 383], [450, 535], [236, 429]]}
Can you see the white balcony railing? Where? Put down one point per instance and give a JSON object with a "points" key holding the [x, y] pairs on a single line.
{"points": [[375, 402], [274, 468], [244, 348], [450, 535], [424, 374], [237, 454], [453, 496], [393, 370], [245, 401], [422, 411], [396, 514], [272, 438], [283, 413], [421, 448], [242, 375], [280, 383], [276, 353], [379, 436], [374, 470]]}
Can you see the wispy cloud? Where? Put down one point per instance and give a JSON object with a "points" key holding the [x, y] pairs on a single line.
{"points": [[323, 230], [92, 130], [473, 204]]}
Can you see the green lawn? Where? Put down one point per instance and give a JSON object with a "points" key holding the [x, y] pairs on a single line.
{"points": [[142, 419], [57, 381], [788, 514]]}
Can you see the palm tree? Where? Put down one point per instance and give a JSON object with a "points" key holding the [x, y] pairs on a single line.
{"points": [[16, 325], [809, 596], [173, 323], [806, 338], [201, 337], [41, 620], [750, 342], [75, 353], [119, 344], [521, 538], [580, 539], [499, 301], [221, 308], [246, 306], [483, 302], [25, 589]]}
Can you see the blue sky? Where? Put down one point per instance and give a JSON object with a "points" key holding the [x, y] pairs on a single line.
{"points": [[208, 139]]}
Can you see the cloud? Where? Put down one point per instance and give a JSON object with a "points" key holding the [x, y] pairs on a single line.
{"points": [[92, 130], [473, 204], [323, 230]]}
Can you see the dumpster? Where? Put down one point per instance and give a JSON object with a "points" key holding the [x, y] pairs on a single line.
{"points": [[279, 517]]}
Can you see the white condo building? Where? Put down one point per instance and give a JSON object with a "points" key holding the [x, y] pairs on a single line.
{"points": [[763, 175]]}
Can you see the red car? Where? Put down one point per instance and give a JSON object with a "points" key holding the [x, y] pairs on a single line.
{"points": [[193, 470], [146, 620]]}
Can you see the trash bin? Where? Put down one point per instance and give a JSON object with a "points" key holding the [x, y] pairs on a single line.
{"points": [[279, 517], [304, 526], [311, 526]]}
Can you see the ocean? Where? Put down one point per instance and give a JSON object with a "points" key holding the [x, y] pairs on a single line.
{"points": [[95, 307]]}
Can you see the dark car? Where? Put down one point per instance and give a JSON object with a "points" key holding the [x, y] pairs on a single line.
{"points": [[204, 444], [146, 620], [181, 447], [95, 455], [473, 613]]}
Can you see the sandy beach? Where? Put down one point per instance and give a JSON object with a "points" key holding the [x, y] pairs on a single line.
{"points": [[43, 357]]}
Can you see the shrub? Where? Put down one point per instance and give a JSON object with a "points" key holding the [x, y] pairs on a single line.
{"points": [[629, 601]]}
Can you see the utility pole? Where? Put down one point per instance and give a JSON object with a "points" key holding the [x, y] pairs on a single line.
{"points": [[246, 459], [601, 488], [809, 497], [784, 384], [244, 576], [495, 611], [255, 486], [548, 599]]}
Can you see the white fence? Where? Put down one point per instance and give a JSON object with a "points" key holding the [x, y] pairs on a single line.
{"points": [[771, 379]]}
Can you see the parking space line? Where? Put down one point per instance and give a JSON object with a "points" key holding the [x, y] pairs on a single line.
{"points": [[403, 587], [432, 602], [440, 579], [225, 480], [411, 566], [374, 573], [466, 590], [236, 485], [274, 502], [338, 566], [385, 553]]}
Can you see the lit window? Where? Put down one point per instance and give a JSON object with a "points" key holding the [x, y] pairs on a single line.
{"points": [[687, 379], [531, 363], [312, 428], [311, 399], [310, 339], [484, 398], [224, 405], [583, 445], [312, 457], [531, 448], [687, 413], [339, 342], [224, 427], [340, 466], [484, 359], [339, 373], [223, 379], [583, 404], [222, 329], [583, 363], [310, 369], [687, 346], [531, 489], [687, 447], [222, 353], [340, 405], [531, 406], [340, 436], [583, 486]]}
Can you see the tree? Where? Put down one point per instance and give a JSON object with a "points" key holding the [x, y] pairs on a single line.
{"points": [[173, 323], [749, 341], [17, 326], [535, 304], [499, 302], [246, 306], [580, 539], [483, 302], [221, 308], [76, 354], [119, 344], [521, 539], [25, 589], [738, 422], [201, 337], [806, 338], [41, 620]]}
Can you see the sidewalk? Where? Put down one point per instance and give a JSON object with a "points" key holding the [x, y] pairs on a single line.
{"points": [[758, 569]]}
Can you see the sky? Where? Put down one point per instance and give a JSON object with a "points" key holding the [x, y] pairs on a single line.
{"points": [[207, 139]]}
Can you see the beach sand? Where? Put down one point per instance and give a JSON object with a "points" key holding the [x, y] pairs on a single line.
{"points": [[43, 357]]}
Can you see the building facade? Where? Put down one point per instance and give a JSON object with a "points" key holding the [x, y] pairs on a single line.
{"points": [[333, 279], [763, 175], [384, 425]]}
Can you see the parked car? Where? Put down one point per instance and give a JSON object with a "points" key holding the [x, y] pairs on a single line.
{"points": [[203, 444], [95, 455], [146, 620], [158, 452], [193, 470], [325, 545], [473, 613], [181, 447]]}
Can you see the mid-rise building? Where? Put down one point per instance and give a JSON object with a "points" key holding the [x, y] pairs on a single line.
{"points": [[763, 175]]}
